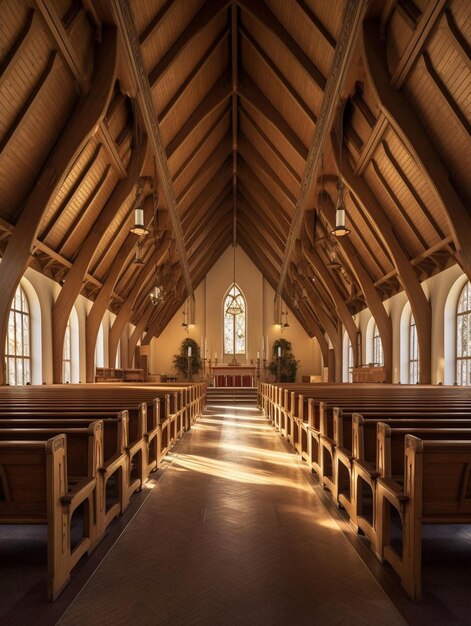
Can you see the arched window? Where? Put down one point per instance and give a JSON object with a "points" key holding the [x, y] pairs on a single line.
{"points": [[378, 356], [234, 313], [463, 337], [413, 353], [347, 373], [18, 342], [66, 360]]}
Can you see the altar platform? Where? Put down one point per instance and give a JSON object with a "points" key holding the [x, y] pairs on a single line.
{"points": [[234, 375]]}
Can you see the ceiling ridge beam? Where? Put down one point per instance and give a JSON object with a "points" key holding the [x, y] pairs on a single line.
{"points": [[352, 19], [127, 28]]}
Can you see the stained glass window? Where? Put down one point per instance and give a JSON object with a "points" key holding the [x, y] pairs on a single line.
{"points": [[18, 342], [378, 356], [413, 353], [463, 337], [66, 361], [234, 325]]}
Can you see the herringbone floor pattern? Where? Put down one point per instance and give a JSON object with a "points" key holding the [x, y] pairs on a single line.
{"points": [[232, 534]]}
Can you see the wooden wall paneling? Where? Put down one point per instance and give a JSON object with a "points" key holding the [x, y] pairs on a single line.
{"points": [[372, 297], [406, 123], [74, 280], [90, 111]]}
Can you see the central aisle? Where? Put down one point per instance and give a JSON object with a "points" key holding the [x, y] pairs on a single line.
{"points": [[232, 534]]}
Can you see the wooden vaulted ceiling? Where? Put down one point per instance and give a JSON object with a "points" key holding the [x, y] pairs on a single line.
{"points": [[241, 105]]}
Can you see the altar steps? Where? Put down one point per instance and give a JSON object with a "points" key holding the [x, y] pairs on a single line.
{"points": [[231, 395]]}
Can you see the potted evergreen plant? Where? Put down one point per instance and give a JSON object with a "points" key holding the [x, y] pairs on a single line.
{"points": [[180, 360], [288, 362]]}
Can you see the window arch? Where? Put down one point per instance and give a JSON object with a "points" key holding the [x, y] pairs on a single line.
{"points": [[378, 355], [235, 326], [463, 336], [18, 341], [414, 365], [347, 359], [66, 358]]}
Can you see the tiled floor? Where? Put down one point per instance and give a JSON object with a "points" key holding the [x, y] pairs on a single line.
{"points": [[232, 534]]}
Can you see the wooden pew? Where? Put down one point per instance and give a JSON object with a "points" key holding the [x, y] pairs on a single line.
{"points": [[36, 490], [435, 491]]}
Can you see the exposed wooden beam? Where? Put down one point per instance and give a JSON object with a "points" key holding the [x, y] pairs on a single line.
{"points": [[372, 297], [102, 301], [210, 10], [88, 114], [14, 52], [196, 214], [111, 149], [419, 304], [132, 50], [193, 75], [220, 93], [408, 126], [234, 112], [267, 20], [249, 92], [152, 28], [319, 26], [74, 280], [353, 16], [124, 314]]}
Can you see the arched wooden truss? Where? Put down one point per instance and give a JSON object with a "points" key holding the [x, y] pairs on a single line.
{"points": [[238, 105]]}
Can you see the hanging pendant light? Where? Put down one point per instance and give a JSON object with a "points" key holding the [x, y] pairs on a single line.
{"points": [[139, 227], [340, 229], [234, 307]]}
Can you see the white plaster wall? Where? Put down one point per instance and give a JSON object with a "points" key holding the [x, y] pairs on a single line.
{"points": [[208, 329]]}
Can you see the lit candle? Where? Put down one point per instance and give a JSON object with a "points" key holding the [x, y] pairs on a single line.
{"points": [[258, 355], [279, 351], [189, 350]]}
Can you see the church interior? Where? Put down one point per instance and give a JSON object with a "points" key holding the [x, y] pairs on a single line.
{"points": [[235, 312]]}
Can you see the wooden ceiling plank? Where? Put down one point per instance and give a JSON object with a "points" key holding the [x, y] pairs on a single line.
{"points": [[272, 257], [210, 103], [352, 19], [83, 210], [194, 153], [263, 194], [199, 210], [250, 153], [28, 104], [217, 156], [322, 30], [459, 42], [313, 298], [412, 190], [262, 227], [112, 149], [289, 169], [262, 212], [192, 76], [88, 114], [202, 246], [14, 52], [209, 11], [74, 189], [372, 297], [206, 226], [408, 126], [61, 39], [262, 14], [132, 51], [297, 99], [407, 218], [249, 92], [152, 28]]}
